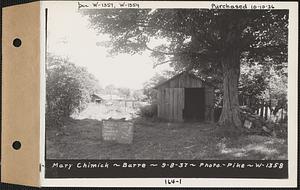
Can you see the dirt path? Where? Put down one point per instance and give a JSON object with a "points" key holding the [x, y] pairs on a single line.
{"points": [[81, 139]]}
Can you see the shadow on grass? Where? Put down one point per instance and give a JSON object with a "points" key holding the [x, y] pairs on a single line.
{"points": [[253, 147], [153, 139]]}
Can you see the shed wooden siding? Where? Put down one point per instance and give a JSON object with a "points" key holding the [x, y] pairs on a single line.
{"points": [[171, 103], [171, 96]]}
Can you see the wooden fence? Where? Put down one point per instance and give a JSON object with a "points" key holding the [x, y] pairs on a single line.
{"points": [[264, 109]]}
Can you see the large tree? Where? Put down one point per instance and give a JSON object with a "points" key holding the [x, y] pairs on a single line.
{"points": [[211, 41]]}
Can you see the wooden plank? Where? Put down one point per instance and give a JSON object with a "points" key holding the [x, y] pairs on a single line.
{"points": [[181, 103], [178, 106], [159, 103], [163, 103], [172, 103], [176, 92], [168, 103]]}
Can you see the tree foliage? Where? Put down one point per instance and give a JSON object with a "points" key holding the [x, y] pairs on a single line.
{"points": [[264, 85], [275, 94], [125, 92], [195, 37], [209, 41], [68, 89], [138, 95], [149, 91]]}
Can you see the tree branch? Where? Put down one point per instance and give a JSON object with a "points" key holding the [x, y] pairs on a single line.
{"points": [[163, 62], [161, 52], [175, 53]]}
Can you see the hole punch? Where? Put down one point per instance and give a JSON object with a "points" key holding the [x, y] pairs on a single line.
{"points": [[17, 42], [16, 145]]}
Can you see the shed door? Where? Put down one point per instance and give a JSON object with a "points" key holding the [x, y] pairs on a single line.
{"points": [[194, 104]]}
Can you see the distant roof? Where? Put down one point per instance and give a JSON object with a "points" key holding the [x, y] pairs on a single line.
{"points": [[96, 95], [182, 73]]}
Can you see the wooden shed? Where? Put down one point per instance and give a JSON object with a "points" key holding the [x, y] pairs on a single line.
{"points": [[185, 97], [96, 98]]}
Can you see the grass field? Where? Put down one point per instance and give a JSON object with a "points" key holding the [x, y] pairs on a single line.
{"points": [[82, 139]]}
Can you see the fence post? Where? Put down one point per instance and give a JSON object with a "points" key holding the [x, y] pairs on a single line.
{"points": [[262, 110], [266, 112]]}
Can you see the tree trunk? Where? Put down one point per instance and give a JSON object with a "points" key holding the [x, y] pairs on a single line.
{"points": [[230, 116]]}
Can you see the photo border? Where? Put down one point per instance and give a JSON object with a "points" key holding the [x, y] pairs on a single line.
{"points": [[196, 182]]}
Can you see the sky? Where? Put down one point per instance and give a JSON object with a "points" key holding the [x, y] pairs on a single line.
{"points": [[69, 35]]}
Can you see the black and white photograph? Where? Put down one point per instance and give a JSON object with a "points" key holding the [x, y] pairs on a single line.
{"points": [[129, 83]]}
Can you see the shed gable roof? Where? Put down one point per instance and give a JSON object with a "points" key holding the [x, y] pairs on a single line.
{"points": [[187, 73]]}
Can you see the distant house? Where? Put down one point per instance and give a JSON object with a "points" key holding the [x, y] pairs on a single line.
{"points": [[185, 97], [96, 98]]}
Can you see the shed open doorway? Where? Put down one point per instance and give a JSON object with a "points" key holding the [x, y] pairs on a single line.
{"points": [[194, 104]]}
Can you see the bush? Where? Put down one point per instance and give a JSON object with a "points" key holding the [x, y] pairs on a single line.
{"points": [[68, 90], [281, 130], [148, 111]]}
